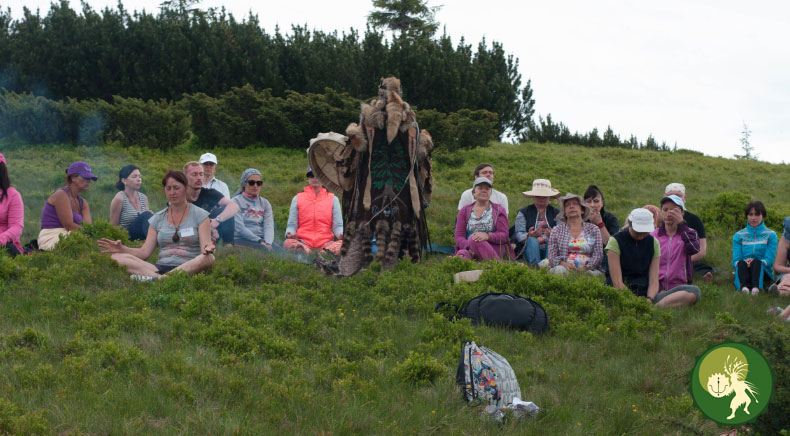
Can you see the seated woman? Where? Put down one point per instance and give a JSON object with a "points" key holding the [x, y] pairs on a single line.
{"points": [[782, 284], [129, 208], [65, 210], [534, 222], [753, 251], [675, 271], [314, 218], [481, 229], [254, 221], [634, 255], [574, 244], [181, 231], [12, 213]]}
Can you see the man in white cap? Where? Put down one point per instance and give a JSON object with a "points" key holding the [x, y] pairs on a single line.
{"points": [[634, 255], [695, 223], [209, 163], [487, 171]]}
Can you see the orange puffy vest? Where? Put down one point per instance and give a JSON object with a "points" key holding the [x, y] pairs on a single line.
{"points": [[315, 217]]}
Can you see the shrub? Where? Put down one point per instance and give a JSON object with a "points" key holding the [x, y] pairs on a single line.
{"points": [[419, 369], [723, 215], [151, 124]]}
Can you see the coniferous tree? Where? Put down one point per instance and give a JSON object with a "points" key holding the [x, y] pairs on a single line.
{"points": [[410, 18]]}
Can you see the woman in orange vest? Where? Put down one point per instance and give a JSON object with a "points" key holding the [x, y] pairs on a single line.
{"points": [[315, 220]]}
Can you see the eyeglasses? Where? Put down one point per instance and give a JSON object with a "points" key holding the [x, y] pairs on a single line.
{"points": [[255, 182]]}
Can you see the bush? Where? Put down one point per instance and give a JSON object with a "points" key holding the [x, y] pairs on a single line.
{"points": [[161, 125], [37, 120], [723, 216], [464, 129], [418, 369]]}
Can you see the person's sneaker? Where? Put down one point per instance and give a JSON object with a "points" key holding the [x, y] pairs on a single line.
{"points": [[774, 290], [774, 311], [142, 278], [745, 290], [755, 291]]}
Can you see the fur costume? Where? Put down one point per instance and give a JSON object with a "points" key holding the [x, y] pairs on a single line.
{"points": [[386, 183]]}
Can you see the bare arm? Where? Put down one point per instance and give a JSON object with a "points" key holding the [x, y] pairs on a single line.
{"points": [[143, 252], [231, 208], [115, 209], [204, 234], [86, 213], [652, 287], [781, 257], [703, 250], [614, 269], [60, 200]]}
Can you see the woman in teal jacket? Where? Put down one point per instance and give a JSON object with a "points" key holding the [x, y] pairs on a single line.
{"points": [[753, 251]]}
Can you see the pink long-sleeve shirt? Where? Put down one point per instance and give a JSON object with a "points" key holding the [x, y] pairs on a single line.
{"points": [[12, 218]]}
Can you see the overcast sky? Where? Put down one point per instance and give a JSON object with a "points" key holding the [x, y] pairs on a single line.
{"points": [[687, 72]]}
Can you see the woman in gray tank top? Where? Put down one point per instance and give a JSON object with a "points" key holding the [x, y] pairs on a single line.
{"points": [[181, 231], [129, 208]]}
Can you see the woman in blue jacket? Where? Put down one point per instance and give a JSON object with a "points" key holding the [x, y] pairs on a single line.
{"points": [[753, 251]]}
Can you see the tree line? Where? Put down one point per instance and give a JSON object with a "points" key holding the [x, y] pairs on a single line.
{"points": [[181, 50]]}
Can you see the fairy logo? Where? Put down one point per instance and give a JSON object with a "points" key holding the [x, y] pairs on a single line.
{"points": [[731, 383]]}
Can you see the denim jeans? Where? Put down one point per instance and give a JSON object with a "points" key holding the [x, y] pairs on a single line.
{"points": [[532, 251]]}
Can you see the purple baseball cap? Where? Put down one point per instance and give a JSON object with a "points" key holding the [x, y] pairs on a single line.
{"points": [[81, 168]]}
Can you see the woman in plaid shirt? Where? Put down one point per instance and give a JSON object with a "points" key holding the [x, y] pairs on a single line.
{"points": [[574, 244]]}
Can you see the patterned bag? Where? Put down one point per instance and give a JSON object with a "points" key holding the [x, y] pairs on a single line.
{"points": [[486, 376]]}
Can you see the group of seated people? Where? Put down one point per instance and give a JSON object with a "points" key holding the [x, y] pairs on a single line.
{"points": [[655, 255], [198, 213]]}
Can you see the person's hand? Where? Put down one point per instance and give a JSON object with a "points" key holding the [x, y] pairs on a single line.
{"points": [[480, 236], [569, 266], [214, 223], [677, 214], [214, 234], [595, 218], [208, 248], [533, 232], [290, 235], [109, 246], [748, 262]]}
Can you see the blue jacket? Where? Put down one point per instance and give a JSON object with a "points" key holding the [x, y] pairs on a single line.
{"points": [[758, 243]]}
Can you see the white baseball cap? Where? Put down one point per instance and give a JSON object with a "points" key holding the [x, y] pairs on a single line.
{"points": [[675, 187], [641, 220], [208, 157]]}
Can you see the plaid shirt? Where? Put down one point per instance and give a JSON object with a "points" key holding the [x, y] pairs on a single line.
{"points": [[560, 237]]}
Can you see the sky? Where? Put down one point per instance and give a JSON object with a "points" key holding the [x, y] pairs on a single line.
{"points": [[689, 72]]}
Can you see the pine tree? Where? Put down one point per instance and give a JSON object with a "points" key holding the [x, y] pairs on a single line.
{"points": [[410, 18], [746, 146]]}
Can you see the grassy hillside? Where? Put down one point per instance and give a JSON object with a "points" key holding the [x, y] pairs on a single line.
{"points": [[265, 345]]}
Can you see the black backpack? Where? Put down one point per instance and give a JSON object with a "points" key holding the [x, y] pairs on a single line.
{"points": [[504, 310]]}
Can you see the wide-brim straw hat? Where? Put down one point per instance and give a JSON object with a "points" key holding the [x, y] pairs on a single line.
{"points": [[542, 188], [586, 211]]}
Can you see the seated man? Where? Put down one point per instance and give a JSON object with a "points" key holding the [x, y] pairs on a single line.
{"points": [[781, 269], [315, 218], [487, 171], [220, 209], [695, 223], [209, 163]]}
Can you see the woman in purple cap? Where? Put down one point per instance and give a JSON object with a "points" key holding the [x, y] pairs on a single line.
{"points": [[12, 213], [64, 210]]}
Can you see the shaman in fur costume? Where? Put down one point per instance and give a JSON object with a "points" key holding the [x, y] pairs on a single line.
{"points": [[386, 180]]}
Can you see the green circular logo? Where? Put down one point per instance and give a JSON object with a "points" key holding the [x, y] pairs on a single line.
{"points": [[731, 383]]}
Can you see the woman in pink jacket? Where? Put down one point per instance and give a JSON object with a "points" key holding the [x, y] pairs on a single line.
{"points": [[481, 229], [12, 213], [678, 243]]}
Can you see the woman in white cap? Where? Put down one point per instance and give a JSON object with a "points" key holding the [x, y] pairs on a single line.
{"points": [[534, 222], [678, 243], [634, 255], [574, 244], [481, 229]]}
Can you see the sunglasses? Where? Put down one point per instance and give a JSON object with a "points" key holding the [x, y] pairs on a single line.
{"points": [[255, 182]]}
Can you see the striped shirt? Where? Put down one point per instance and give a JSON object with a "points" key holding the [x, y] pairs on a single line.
{"points": [[128, 212]]}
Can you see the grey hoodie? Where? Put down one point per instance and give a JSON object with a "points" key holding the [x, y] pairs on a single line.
{"points": [[254, 221]]}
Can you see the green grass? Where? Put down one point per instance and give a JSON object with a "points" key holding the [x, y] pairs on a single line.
{"points": [[265, 345]]}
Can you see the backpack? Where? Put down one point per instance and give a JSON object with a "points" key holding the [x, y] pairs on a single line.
{"points": [[486, 376], [505, 310]]}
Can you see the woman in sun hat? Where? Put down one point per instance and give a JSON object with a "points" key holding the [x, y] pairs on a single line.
{"points": [[574, 244], [65, 210], [678, 243], [534, 222], [634, 255], [12, 213], [481, 229], [254, 221]]}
